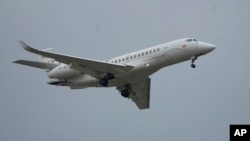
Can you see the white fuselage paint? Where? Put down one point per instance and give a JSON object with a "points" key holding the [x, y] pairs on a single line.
{"points": [[145, 62]]}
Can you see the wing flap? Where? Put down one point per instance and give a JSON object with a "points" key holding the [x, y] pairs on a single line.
{"points": [[98, 66], [40, 65]]}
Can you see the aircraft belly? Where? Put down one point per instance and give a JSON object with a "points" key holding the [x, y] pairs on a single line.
{"points": [[178, 55], [84, 80], [141, 70]]}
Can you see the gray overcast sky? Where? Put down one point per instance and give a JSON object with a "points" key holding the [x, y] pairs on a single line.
{"points": [[186, 104]]}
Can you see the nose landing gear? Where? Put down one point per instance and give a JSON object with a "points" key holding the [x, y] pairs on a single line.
{"points": [[193, 59], [193, 65]]}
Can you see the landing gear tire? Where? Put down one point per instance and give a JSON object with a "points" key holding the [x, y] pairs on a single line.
{"points": [[125, 93], [193, 65], [104, 82], [193, 59]]}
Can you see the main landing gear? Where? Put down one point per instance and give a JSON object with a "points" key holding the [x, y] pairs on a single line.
{"points": [[125, 91], [105, 80], [193, 59]]}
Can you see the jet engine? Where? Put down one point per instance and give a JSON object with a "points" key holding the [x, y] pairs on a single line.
{"points": [[62, 72]]}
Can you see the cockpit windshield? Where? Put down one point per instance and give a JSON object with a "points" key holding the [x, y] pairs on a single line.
{"points": [[191, 40]]}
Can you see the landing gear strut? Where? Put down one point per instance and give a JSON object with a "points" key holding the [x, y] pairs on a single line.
{"points": [[192, 64], [105, 80]]}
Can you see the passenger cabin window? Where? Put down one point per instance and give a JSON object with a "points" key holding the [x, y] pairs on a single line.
{"points": [[195, 40]]}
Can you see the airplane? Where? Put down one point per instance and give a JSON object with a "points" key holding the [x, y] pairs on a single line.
{"points": [[129, 73]]}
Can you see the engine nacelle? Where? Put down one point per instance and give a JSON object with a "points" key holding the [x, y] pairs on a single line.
{"points": [[62, 72]]}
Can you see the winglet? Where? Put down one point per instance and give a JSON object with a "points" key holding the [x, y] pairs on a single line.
{"points": [[27, 48]]}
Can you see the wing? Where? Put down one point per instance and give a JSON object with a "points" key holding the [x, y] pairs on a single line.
{"points": [[140, 93], [91, 67], [41, 65]]}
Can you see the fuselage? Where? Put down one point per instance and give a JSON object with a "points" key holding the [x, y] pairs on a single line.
{"points": [[145, 62]]}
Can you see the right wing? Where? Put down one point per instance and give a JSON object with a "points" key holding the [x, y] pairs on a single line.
{"points": [[40, 65], [140, 93]]}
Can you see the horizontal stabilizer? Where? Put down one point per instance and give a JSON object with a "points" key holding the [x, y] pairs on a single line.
{"points": [[40, 65]]}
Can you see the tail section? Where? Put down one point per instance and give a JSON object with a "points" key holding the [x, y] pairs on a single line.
{"points": [[44, 63], [41, 58], [46, 59]]}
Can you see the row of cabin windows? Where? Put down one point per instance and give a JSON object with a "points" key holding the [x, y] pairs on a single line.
{"points": [[135, 56]]}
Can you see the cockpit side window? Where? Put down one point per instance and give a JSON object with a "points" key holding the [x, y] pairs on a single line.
{"points": [[191, 40]]}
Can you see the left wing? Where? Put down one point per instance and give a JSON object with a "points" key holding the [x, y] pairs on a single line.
{"points": [[140, 93], [87, 66]]}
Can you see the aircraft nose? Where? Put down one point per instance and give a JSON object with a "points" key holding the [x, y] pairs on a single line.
{"points": [[206, 47]]}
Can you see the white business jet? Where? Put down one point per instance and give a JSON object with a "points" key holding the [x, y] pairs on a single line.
{"points": [[129, 73]]}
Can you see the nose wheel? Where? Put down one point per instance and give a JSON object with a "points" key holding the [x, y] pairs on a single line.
{"points": [[192, 64]]}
